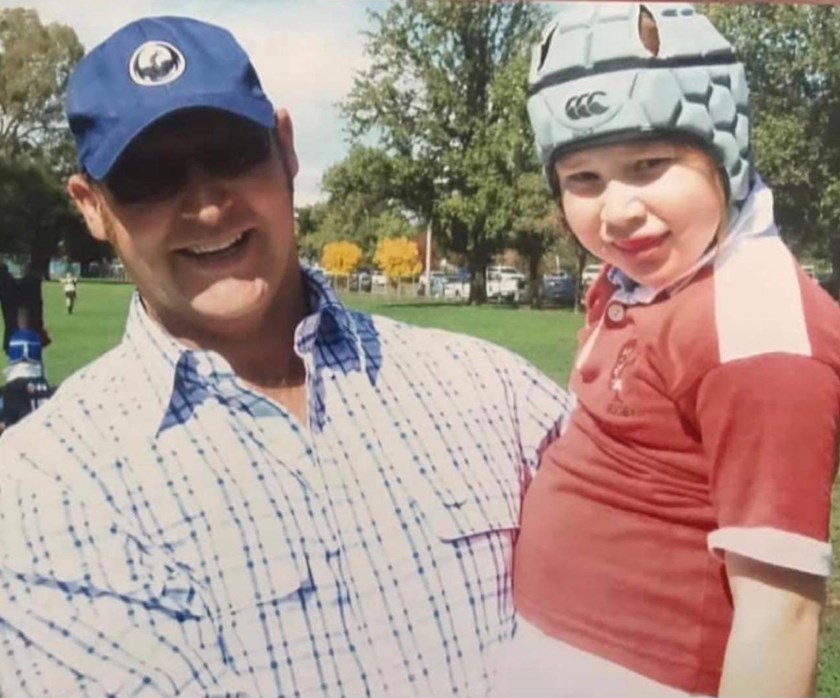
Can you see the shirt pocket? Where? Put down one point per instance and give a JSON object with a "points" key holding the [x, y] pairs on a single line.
{"points": [[241, 566], [464, 555], [460, 502]]}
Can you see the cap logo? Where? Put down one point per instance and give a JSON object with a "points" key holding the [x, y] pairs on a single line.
{"points": [[156, 63], [586, 105]]}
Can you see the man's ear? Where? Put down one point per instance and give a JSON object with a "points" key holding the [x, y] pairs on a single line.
{"points": [[286, 135], [89, 203]]}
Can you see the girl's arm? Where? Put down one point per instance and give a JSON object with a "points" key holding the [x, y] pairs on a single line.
{"points": [[772, 649]]}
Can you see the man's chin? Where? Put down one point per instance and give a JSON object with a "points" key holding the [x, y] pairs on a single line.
{"points": [[235, 301]]}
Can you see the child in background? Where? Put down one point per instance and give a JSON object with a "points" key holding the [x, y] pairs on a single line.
{"points": [[69, 283], [675, 539]]}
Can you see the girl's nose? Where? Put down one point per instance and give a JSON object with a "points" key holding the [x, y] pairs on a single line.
{"points": [[622, 207]]}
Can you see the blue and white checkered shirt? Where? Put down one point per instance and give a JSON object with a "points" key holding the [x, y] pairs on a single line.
{"points": [[165, 531]]}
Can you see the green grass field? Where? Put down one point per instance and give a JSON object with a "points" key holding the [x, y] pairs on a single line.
{"points": [[546, 338]]}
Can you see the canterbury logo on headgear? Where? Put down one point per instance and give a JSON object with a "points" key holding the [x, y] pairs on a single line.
{"points": [[156, 63], [586, 105]]}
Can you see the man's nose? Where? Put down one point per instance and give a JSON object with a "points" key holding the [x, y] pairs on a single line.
{"points": [[206, 197]]}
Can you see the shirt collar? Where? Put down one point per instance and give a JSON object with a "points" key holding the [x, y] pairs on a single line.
{"points": [[755, 219], [162, 364]]}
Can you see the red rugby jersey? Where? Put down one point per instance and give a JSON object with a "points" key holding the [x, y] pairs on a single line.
{"points": [[707, 419]]}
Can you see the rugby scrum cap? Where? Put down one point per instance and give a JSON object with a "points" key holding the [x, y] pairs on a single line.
{"points": [[151, 68], [593, 81]]}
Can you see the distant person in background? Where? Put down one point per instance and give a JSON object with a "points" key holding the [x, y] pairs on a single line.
{"points": [[30, 298], [8, 303], [69, 282], [26, 386]]}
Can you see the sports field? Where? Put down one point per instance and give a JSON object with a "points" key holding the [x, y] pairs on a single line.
{"points": [[546, 338]]}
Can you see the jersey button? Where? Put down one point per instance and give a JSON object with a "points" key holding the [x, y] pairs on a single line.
{"points": [[616, 313]]}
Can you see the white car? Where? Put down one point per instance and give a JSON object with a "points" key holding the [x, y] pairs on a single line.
{"points": [[456, 286], [504, 283], [379, 279], [436, 278], [590, 273]]}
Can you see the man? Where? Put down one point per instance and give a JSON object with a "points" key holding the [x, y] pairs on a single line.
{"points": [[258, 492]]}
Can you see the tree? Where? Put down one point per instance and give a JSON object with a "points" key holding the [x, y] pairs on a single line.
{"points": [[437, 95], [792, 57], [362, 205], [341, 258], [35, 63], [398, 258], [535, 227], [35, 214], [308, 221], [36, 151]]}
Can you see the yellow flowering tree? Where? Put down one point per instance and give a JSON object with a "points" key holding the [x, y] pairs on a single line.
{"points": [[340, 258], [398, 258]]}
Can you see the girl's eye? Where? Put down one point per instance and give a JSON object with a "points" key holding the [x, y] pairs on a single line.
{"points": [[649, 164], [581, 178]]}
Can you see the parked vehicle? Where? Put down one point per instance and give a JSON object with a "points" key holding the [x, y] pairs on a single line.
{"points": [[590, 273], [359, 281], [557, 289], [436, 278], [457, 286], [378, 279], [504, 283]]}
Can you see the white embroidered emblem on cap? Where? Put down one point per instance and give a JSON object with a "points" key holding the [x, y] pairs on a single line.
{"points": [[156, 63]]}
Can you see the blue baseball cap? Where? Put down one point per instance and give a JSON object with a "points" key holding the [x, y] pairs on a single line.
{"points": [[151, 68]]}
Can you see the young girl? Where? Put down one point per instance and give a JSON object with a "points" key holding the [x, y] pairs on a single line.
{"points": [[675, 539]]}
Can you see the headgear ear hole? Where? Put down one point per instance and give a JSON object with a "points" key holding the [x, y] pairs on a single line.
{"points": [[544, 48], [648, 31]]}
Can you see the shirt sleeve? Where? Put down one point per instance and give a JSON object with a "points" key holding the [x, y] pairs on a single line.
{"points": [[769, 425], [86, 608]]}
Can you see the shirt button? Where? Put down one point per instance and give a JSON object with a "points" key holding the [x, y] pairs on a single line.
{"points": [[616, 313]]}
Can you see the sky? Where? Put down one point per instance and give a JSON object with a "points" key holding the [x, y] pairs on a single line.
{"points": [[306, 53]]}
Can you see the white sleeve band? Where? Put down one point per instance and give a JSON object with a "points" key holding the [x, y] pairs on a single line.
{"points": [[775, 547]]}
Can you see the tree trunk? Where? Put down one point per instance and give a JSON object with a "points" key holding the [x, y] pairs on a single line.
{"points": [[534, 294], [478, 289]]}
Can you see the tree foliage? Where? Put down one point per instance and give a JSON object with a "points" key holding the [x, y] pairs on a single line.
{"points": [[361, 205], [35, 216], [36, 151], [35, 63], [792, 57], [341, 257], [398, 258], [443, 94]]}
